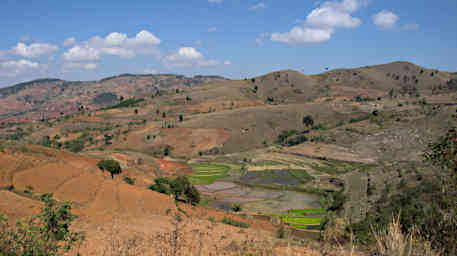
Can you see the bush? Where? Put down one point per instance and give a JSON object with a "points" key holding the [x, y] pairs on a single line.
{"points": [[281, 233], [47, 233], [236, 208], [178, 187], [75, 145], [230, 221], [308, 120], [128, 180]]}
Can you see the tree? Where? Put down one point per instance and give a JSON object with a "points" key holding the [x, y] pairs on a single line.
{"points": [[47, 233], [308, 121], [192, 195], [164, 115], [179, 187], [112, 166], [136, 111], [181, 118], [121, 98]]}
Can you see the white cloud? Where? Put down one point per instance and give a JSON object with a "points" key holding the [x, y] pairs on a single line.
{"points": [[14, 67], [69, 41], [299, 35], [322, 22], [84, 53], [33, 50], [78, 65], [227, 62], [385, 19], [188, 57], [260, 5], [115, 44], [212, 29], [215, 1], [259, 41], [329, 17]]}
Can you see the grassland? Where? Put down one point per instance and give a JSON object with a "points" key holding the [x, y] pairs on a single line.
{"points": [[208, 173]]}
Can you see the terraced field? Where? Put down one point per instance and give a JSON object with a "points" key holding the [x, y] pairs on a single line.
{"points": [[307, 219], [203, 174]]}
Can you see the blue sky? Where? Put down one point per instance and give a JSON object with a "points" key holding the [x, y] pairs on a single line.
{"points": [[85, 40]]}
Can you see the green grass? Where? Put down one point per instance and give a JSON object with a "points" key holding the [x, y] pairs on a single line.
{"points": [[208, 173], [303, 220], [298, 219]]}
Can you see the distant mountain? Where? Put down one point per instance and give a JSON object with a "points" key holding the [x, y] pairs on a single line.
{"points": [[49, 97]]}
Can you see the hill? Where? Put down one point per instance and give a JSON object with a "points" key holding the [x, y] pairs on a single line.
{"points": [[342, 147], [49, 98]]}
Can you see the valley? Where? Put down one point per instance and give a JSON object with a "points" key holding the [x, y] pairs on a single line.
{"points": [[280, 150]]}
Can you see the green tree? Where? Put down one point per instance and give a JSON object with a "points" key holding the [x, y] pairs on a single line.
{"points": [[112, 166], [47, 233]]}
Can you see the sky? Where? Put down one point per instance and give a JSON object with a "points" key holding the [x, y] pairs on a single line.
{"points": [[88, 40]]}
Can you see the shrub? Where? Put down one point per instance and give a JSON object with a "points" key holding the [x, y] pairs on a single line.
{"points": [[128, 180], [308, 120], [281, 233], [230, 221], [47, 233], [178, 187], [236, 207], [75, 145]]}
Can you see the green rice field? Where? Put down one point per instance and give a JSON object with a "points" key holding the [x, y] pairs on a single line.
{"points": [[203, 174]]}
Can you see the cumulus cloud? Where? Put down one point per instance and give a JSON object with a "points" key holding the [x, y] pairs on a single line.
{"points": [[385, 19], [300, 35], [321, 23], [212, 29], [115, 44], [33, 50], [69, 41], [260, 5], [82, 53], [188, 57], [15, 67]]}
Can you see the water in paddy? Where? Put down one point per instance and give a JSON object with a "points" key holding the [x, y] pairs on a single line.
{"points": [[253, 199]]}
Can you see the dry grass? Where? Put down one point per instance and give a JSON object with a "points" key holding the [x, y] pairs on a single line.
{"points": [[392, 242]]}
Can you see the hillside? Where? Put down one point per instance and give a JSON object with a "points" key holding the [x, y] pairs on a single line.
{"points": [[280, 150], [49, 98]]}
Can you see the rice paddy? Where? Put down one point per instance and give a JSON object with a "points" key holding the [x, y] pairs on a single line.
{"points": [[203, 174]]}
